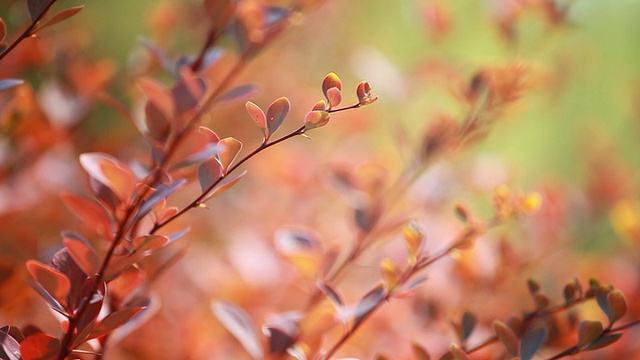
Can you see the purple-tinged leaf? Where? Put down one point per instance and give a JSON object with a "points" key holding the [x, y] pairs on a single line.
{"points": [[209, 172], [151, 304], [188, 91], [91, 214], [276, 113], [158, 126], [275, 14], [368, 303], [53, 303], [419, 352], [10, 346], [158, 53], [40, 346], [61, 16], [604, 341], [161, 193], [95, 300], [331, 293], [238, 323], [279, 340], [237, 94], [36, 7], [9, 83], [63, 262], [531, 342], [259, 118], [53, 281], [177, 235], [158, 95], [289, 241], [468, 324], [104, 195], [82, 253], [147, 244]]}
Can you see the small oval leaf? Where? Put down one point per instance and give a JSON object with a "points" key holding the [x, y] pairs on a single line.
{"points": [[368, 303], [588, 332], [617, 305], [276, 113], [54, 282], [257, 115], [81, 252], [315, 119], [240, 325], [228, 150], [209, 171], [507, 337], [61, 16], [531, 342]]}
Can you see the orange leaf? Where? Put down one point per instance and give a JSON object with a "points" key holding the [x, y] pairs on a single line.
{"points": [[110, 172], [53, 281], [61, 16], [228, 151], [90, 213]]}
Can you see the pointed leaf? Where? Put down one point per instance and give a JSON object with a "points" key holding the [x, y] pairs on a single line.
{"points": [[53, 281], [604, 341], [531, 342], [209, 172], [238, 323], [419, 352], [368, 303], [82, 253], [36, 7], [158, 95], [40, 346], [61, 16], [330, 81], [9, 83], [588, 332], [110, 172], [331, 293], [237, 94], [228, 150], [390, 273], [162, 192], [468, 324], [146, 244], [458, 354], [53, 303], [113, 321], [276, 113], [9, 345]]}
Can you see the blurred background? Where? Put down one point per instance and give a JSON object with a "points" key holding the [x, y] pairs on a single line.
{"points": [[572, 136]]}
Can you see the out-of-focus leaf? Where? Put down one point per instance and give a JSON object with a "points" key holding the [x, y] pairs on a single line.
{"points": [[95, 299], [188, 92], [419, 352], [10, 347], [331, 293], [91, 214], [531, 342], [368, 303], [209, 172], [81, 252], [507, 337], [588, 332], [110, 172], [158, 53], [220, 11], [63, 262], [468, 324], [237, 94], [334, 96], [55, 305], [330, 81], [61, 16], [36, 7], [604, 341], [40, 346], [279, 340], [228, 150], [224, 187], [276, 113], [259, 118], [53, 281], [177, 235], [157, 94], [458, 353], [390, 273], [414, 239], [146, 244], [9, 83], [238, 323]]}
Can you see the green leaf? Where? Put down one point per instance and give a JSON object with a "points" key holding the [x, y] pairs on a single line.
{"points": [[276, 113], [531, 342]]}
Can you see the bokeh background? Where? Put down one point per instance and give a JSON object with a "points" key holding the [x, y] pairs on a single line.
{"points": [[573, 137]]}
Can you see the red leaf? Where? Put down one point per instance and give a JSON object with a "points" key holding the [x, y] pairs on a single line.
{"points": [[228, 150], [240, 326], [61, 16], [90, 213], [40, 346], [82, 253], [110, 172], [276, 113], [315, 119], [157, 122], [113, 321], [146, 244], [54, 282], [224, 187], [158, 95]]}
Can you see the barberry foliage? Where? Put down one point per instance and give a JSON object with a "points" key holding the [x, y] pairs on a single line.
{"points": [[163, 201]]}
